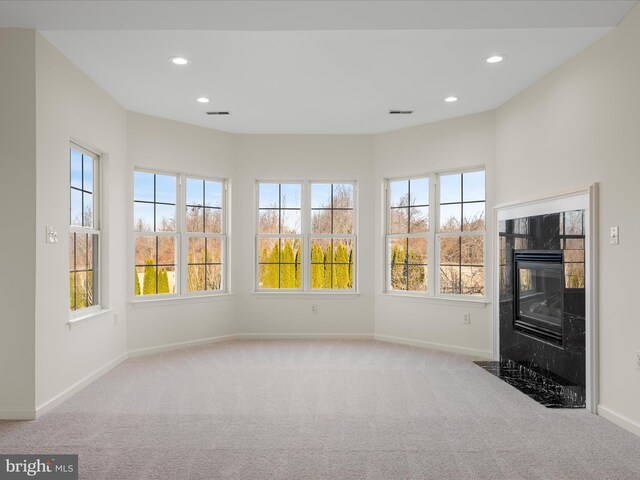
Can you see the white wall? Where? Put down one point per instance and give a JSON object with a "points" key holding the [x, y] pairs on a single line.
{"points": [[578, 125], [170, 146], [450, 144], [17, 244], [302, 157], [71, 106]]}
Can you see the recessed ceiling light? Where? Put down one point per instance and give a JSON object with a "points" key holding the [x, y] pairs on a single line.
{"points": [[179, 60], [202, 100], [495, 59], [451, 99]]}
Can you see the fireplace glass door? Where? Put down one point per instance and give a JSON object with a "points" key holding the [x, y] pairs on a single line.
{"points": [[539, 294]]}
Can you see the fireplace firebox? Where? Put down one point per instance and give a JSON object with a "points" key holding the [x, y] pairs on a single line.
{"points": [[539, 294]]}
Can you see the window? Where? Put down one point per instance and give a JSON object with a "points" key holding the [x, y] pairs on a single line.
{"points": [[167, 235], [443, 257], [204, 234], [407, 234], [84, 230], [332, 240], [306, 236], [461, 233]]}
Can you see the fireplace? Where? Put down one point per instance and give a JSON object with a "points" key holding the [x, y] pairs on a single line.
{"points": [[541, 306], [539, 294]]}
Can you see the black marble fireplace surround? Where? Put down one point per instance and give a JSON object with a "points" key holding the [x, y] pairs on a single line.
{"points": [[542, 307]]}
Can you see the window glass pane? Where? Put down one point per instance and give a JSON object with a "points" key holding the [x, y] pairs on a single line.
{"points": [[472, 280], [417, 278], [76, 168], [194, 220], [450, 217], [290, 195], [398, 193], [419, 191], [195, 278], [574, 275], [417, 248], [332, 263], [473, 217], [450, 280], [343, 195], [213, 274], [195, 252], [166, 251], [81, 252], [143, 217], [195, 192], [87, 184], [214, 250], [269, 250], [473, 186], [165, 218], [449, 250], [166, 189], [399, 220], [343, 222], [450, 188], [419, 219], [321, 195], [269, 195], [145, 250], [472, 251], [76, 207], [213, 194], [321, 221], [87, 220], [213, 220], [291, 221], [398, 261], [318, 249], [143, 186], [269, 221]]}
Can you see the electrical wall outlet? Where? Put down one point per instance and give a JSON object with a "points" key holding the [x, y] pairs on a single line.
{"points": [[314, 309], [638, 360], [466, 318]]}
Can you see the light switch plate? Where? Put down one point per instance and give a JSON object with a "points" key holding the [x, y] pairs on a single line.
{"points": [[52, 235], [614, 238]]}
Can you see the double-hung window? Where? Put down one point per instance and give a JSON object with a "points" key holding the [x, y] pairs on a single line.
{"points": [[306, 236], [179, 234], [84, 230], [435, 233]]}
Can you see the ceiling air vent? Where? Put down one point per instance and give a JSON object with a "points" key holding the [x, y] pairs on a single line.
{"points": [[217, 113], [400, 112]]}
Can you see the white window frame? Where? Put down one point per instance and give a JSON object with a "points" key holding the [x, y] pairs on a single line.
{"points": [[305, 239], [433, 239], [94, 230], [181, 238], [184, 255]]}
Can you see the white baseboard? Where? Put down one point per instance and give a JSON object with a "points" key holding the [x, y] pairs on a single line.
{"points": [[305, 336], [17, 414], [79, 385], [474, 352], [173, 346], [619, 419]]}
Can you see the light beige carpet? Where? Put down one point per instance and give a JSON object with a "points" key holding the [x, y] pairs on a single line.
{"points": [[320, 410]]}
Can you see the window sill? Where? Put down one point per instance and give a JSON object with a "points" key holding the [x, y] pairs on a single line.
{"points": [[469, 302], [80, 319], [305, 295], [154, 302]]}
